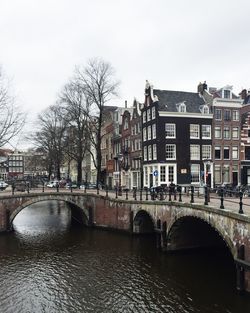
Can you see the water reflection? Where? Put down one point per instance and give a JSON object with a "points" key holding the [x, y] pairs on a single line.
{"points": [[48, 266]]}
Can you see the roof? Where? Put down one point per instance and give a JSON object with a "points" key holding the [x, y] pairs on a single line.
{"points": [[169, 100]]}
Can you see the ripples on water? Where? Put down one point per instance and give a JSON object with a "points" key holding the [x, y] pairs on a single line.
{"points": [[47, 266]]}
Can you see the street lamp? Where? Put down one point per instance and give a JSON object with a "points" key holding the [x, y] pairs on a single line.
{"points": [[119, 159], [141, 170]]}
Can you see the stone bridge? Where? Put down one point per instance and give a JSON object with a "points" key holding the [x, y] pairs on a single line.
{"points": [[178, 225]]}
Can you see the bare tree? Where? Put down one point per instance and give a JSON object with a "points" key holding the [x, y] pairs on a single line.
{"points": [[98, 81], [11, 118], [51, 138], [75, 109]]}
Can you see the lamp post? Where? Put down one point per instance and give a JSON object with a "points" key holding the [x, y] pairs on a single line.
{"points": [[118, 159], [141, 170]]}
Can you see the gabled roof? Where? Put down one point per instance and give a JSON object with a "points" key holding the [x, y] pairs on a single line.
{"points": [[169, 100]]}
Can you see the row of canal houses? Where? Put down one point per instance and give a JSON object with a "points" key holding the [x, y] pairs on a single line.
{"points": [[182, 137]]}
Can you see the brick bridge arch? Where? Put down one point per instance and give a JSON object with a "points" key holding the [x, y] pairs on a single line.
{"points": [[81, 206]]}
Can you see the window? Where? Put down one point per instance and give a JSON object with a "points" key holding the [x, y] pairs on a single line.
{"points": [[181, 107], [217, 132], [226, 153], [170, 130], [218, 114], [235, 115], [171, 173], [227, 94], [206, 131], [235, 133], [217, 153], [206, 152], [227, 132], [145, 134], [154, 152], [144, 117], [154, 131], [195, 173], [195, 131], [170, 152], [149, 133], [217, 174], [226, 174], [194, 152], [149, 114], [149, 153], [162, 173], [227, 115], [153, 113], [145, 153], [235, 153], [205, 109]]}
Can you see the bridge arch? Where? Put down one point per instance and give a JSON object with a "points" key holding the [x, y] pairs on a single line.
{"points": [[79, 213], [196, 227], [143, 223]]}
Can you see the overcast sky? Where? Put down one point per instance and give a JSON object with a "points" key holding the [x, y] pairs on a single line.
{"points": [[174, 44]]}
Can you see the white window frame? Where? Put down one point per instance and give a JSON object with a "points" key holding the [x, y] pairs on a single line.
{"points": [[206, 152], [153, 113], [154, 152], [149, 153], [217, 130], [235, 130], [195, 152], [170, 128], [153, 131], [145, 153], [145, 134], [149, 115], [235, 115], [149, 132], [170, 149], [235, 153], [144, 116], [195, 173], [227, 130], [194, 130], [206, 131], [220, 113]]}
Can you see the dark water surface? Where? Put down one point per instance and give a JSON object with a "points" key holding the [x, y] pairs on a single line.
{"points": [[48, 266]]}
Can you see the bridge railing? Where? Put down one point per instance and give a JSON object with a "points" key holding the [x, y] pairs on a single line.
{"points": [[175, 193]]}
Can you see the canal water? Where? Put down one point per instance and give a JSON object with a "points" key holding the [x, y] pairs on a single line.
{"points": [[48, 266]]}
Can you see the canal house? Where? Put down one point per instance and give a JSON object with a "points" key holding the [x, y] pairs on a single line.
{"points": [[176, 138]]}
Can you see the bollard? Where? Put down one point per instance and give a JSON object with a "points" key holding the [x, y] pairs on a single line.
{"points": [[57, 187], [28, 188], [71, 189], [107, 192], [13, 189], [126, 194], [180, 198], [241, 203], [221, 198], [97, 190], [116, 193], [146, 193], [192, 194], [43, 186], [206, 196], [141, 194]]}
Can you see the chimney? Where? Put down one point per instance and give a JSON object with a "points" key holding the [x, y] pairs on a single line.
{"points": [[243, 94], [126, 104]]}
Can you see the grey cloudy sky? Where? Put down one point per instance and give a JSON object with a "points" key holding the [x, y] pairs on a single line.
{"points": [[173, 44]]}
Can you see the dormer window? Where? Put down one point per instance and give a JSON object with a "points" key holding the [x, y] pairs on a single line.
{"points": [[205, 109], [227, 94], [182, 107]]}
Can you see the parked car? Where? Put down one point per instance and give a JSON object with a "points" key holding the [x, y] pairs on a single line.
{"points": [[53, 184], [71, 185], [3, 185]]}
